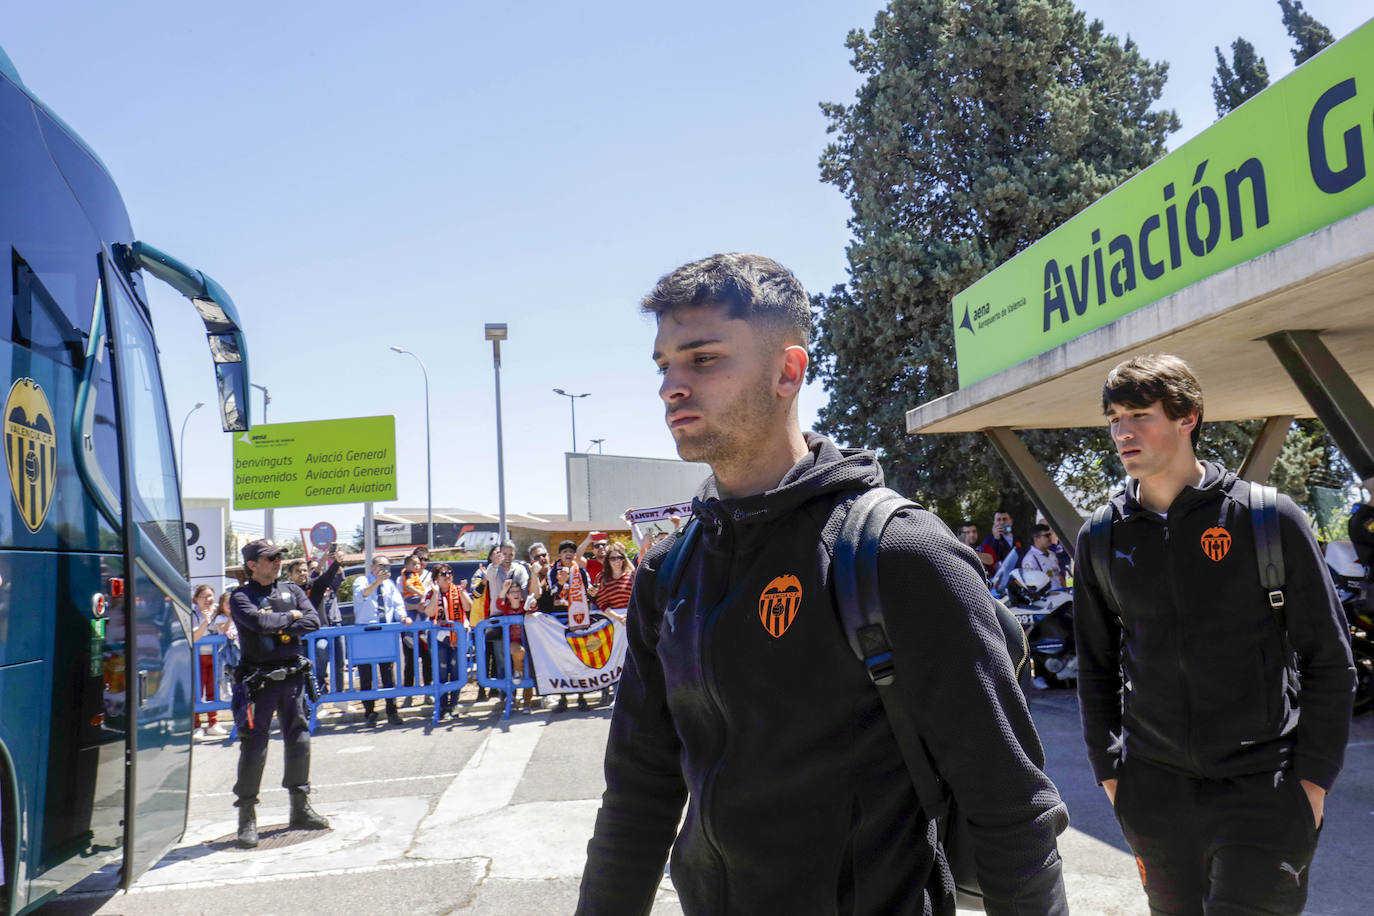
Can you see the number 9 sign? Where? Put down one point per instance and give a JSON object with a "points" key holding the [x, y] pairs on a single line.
{"points": [[204, 542]]}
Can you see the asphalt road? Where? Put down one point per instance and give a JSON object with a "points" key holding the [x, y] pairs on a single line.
{"points": [[484, 816]]}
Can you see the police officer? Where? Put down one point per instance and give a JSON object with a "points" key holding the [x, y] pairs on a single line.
{"points": [[272, 617]]}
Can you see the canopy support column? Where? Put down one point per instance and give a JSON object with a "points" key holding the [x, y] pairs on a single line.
{"points": [[1044, 492], [1264, 451], [1332, 394]]}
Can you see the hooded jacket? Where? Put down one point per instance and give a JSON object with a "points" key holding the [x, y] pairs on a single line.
{"points": [[742, 700], [1209, 688]]}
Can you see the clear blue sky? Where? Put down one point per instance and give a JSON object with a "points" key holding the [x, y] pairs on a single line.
{"points": [[359, 176]]}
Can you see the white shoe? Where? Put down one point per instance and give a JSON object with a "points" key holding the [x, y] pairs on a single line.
{"points": [[216, 731], [1039, 683], [328, 712], [198, 733]]}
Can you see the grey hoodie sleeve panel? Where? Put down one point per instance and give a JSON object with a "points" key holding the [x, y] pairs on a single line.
{"points": [[1097, 637], [645, 791], [950, 652], [1320, 635]]}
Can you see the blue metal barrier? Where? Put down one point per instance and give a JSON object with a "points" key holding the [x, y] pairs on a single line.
{"points": [[220, 643], [373, 644], [508, 683], [381, 643]]}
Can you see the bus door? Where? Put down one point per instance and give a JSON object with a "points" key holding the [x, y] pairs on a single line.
{"points": [[159, 676]]}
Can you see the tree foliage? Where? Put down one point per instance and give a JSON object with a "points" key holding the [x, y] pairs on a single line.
{"points": [[1237, 81], [1309, 35], [978, 129]]}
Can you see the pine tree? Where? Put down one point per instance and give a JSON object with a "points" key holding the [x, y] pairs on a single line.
{"points": [[979, 128], [1309, 35], [1238, 81]]}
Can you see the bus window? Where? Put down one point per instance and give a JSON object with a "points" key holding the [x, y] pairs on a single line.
{"points": [[157, 506], [96, 421], [38, 322]]}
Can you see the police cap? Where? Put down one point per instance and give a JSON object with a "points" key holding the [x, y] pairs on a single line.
{"points": [[261, 549]]}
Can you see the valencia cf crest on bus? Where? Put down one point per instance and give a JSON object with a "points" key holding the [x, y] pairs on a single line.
{"points": [[592, 645], [779, 603], [30, 451]]}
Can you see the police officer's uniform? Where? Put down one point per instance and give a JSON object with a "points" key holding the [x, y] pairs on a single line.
{"points": [[272, 679]]}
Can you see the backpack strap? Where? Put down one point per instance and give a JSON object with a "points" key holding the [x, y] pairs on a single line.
{"points": [[858, 599], [1264, 518], [674, 565], [1100, 552], [861, 611]]}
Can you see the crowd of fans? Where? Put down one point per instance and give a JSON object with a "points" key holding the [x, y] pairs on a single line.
{"points": [[1001, 552], [502, 586]]}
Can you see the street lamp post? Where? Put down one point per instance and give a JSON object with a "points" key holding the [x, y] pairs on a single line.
{"points": [[268, 516], [572, 402], [497, 333], [181, 450], [429, 482], [597, 443]]}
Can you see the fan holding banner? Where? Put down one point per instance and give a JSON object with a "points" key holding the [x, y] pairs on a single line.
{"points": [[588, 652]]}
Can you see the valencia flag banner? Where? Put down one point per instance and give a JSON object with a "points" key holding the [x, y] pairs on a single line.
{"points": [[575, 659]]}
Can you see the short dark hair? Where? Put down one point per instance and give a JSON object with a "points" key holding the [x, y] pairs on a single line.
{"points": [[1142, 380], [566, 545], [1037, 530], [749, 287], [968, 523], [422, 553], [443, 569], [293, 565]]}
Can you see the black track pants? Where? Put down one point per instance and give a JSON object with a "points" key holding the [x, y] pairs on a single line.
{"points": [[1219, 847], [285, 699]]}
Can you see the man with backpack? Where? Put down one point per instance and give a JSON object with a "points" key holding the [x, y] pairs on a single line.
{"points": [[1215, 674], [743, 696]]}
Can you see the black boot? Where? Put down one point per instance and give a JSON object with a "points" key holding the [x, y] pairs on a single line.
{"points": [[304, 817], [248, 827]]}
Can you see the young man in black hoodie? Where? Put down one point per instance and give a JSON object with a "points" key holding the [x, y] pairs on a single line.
{"points": [[1215, 725], [765, 725]]}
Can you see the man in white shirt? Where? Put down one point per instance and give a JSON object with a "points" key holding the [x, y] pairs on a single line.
{"points": [[1041, 558], [376, 599]]}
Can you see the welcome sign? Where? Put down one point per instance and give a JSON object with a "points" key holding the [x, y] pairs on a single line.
{"points": [[1289, 161], [318, 463]]}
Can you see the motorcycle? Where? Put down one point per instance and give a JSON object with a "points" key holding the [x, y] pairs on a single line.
{"points": [[1352, 587], [1046, 612]]}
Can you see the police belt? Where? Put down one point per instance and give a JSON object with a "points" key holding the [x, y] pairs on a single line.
{"points": [[257, 674]]}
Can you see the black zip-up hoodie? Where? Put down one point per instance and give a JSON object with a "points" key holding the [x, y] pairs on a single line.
{"points": [[1207, 691], [742, 699]]}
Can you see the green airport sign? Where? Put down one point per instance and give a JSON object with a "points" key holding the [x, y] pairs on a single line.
{"points": [[1291, 160], [318, 463]]}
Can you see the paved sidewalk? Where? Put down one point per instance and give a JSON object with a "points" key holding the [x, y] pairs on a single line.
{"points": [[489, 817]]}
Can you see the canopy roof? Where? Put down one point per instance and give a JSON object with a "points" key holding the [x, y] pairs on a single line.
{"points": [[1323, 281]]}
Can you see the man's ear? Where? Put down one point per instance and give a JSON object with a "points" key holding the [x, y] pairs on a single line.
{"points": [[1188, 423], [792, 375]]}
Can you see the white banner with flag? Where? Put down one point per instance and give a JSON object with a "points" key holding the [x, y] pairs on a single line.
{"points": [[578, 613], [574, 659]]}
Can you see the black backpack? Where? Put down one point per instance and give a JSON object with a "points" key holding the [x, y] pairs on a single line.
{"points": [[855, 576], [1264, 520], [857, 595]]}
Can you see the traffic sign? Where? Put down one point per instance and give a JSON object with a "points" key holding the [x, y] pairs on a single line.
{"points": [[322, 535]]}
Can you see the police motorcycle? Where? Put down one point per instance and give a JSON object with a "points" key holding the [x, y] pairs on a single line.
{"points": [[1353, 588], [1046, 612]]}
